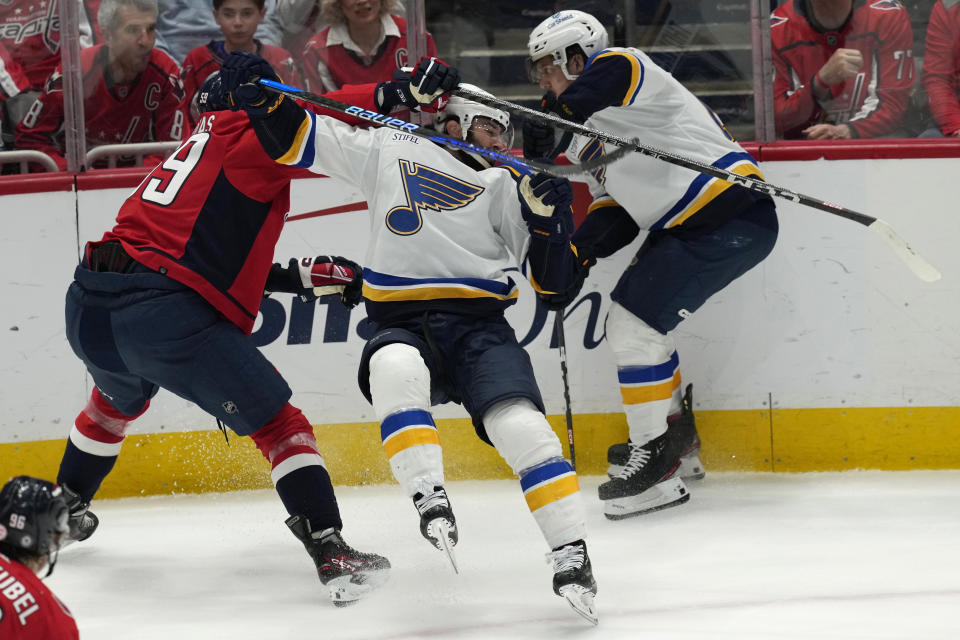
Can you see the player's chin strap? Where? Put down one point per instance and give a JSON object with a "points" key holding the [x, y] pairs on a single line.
{"points": [[526, 167], [920, 267]]}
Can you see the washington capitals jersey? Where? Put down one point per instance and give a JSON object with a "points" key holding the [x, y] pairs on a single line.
{"points": [[28, 609], [210, 215], [146, 110], [874, 101], [30, 30], [13, 80], [203, 61], [941, 65], [623, 92], [329, 65], [442, 236]]}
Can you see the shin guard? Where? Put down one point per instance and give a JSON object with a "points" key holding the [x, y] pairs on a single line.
{"points": [[93, 446], [400, 391], [524, 438], [298, 472], [649, 373]]}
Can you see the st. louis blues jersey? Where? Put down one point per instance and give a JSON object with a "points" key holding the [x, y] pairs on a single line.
{"points": [[442, 236], [623, 92]]}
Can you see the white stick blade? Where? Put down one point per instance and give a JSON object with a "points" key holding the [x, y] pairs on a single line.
{"points": [[920, 267]]}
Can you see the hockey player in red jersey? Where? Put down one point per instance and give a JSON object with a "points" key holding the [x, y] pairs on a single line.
{"points": [[33, 523], [843, 68], [168, 298], [31, 32], [238, 19], [133, 91], [941, 66], [363, 43]]}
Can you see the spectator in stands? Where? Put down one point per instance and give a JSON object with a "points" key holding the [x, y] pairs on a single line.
{"points": [[13, 89], [238, 20], [31, 32], [132, 91], [941, 68], [364, 43], [183, 25], [294, 22], [843, 69]]}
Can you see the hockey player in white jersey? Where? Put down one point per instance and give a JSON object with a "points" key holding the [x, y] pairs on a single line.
{"points": [[703, 234], [445, 231]]}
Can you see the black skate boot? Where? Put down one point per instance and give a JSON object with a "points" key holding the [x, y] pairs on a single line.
{"points": [[683, 430], [82, 521], [573, 578], [437, 523], [348, 573], [648, 481]]}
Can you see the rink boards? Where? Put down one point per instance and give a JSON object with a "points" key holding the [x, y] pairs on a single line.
{"points": [[828, 356]]}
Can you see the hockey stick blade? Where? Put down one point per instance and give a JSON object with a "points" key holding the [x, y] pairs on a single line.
{"points": [[920, 267], [373, 117]]}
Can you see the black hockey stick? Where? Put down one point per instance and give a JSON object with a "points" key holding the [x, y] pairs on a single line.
{"points": [[920, 267], [562, 347], [523, 166]]}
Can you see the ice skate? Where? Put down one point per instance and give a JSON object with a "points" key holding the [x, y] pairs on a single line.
{"points": [[437, 523], [81, 520], [573, 578], [348, 574], [648, 481], [683, 430]]}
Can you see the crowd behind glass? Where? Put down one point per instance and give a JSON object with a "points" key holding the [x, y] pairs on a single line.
{"points": [[838, 69]]}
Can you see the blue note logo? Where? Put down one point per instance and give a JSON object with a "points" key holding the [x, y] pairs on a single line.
{"points": [[427, 190]]}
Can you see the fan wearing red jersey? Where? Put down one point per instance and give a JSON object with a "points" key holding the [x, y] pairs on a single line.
{"points": [[941, 67], [31, 32], [33, 523], [133, 91], [843, 68], [238, 19], [13, 86], [364, 43]]}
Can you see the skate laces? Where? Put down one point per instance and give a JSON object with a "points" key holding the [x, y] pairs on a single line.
{"points": [[567, 558], [427, 501], [638, 459]]}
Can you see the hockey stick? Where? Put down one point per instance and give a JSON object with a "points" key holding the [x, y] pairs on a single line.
{"points": [[920, 267], [526, 167], [562, 347]]}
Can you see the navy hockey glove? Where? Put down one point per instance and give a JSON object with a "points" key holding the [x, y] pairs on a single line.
{"points": [[539, 138], [545, 205], [311, 278], [560, 300], [408, 90], [238, 78]]}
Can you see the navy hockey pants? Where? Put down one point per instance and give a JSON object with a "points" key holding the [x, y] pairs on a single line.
{"points": [[141, 330], [675, 271]]}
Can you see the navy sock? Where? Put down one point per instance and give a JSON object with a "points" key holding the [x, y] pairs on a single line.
{"points": [[83, 472], [307, 492]]}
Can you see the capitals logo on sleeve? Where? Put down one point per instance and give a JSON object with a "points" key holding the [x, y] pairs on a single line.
{"points": [[427, 189]]}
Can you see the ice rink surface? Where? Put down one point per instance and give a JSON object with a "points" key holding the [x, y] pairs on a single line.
{"points": [[857, 555]]}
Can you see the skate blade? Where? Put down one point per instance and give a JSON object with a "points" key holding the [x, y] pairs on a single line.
{"points": [[581, 600], [691, 468], [440, 529], [348, 590], [669, 493]]}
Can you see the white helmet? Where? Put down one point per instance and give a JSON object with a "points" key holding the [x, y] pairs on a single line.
{"points": [[563, 29], [465, 111]]}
